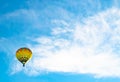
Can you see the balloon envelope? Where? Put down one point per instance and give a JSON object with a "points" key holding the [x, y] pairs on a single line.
{"points": [[23, 55]]}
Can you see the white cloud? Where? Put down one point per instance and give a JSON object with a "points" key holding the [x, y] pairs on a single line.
{"points": [[88, 48]]}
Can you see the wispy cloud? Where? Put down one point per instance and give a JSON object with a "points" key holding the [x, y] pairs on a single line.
{"points": [[88, 47]]}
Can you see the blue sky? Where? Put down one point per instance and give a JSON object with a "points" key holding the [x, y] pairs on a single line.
{"points": [[71, 40]]}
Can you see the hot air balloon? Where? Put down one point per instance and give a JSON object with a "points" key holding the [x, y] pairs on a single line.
{"points": [[23, 55]]}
